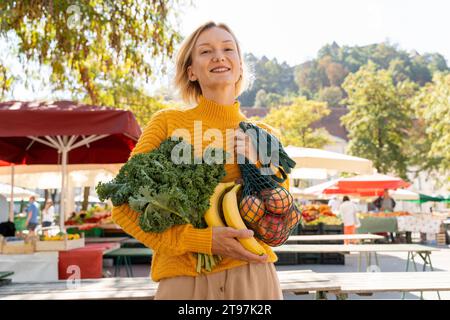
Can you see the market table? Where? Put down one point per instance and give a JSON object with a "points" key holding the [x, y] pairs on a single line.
{"points": [[293, 281], [423, 223], [107, 239], [424, 252], [124, 255], [37, 266], [334, 237], [88, 259], [377, 225], [373, 282], [297, 282]]}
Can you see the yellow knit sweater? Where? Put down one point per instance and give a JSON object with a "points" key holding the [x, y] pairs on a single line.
{"points": [[173, 249]]}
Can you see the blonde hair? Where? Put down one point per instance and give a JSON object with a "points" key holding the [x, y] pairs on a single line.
{"points": [[190, 91]]}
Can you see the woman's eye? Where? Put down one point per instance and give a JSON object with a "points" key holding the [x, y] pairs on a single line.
{"points": [[228, 49], [205, 51]]}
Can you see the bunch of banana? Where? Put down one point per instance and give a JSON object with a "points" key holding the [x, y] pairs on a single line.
{"points": [[233, 219], [224, 199]]}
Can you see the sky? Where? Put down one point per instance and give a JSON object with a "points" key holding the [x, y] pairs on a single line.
{"points": [[294, 30]]}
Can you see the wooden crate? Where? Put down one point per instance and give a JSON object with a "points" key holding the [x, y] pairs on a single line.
{"points": [[15, 248], [441, 239], [62, 245]]}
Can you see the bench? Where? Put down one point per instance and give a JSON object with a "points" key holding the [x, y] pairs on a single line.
{"points": [[334, 237], [4, 277], [296, 281], [373, 282], [413, 250], [105, 239], [123, 257]]}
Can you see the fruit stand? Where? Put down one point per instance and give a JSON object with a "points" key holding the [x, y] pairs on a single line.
{"points": [[319, 220], [89, 222]]}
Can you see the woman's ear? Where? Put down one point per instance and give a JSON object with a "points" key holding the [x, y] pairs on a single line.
{"points": [[191, 75]]}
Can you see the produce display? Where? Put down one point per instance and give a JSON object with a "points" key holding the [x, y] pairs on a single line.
{"points": [[91, 218], [59, 237], [383, 214], [315, 214]]}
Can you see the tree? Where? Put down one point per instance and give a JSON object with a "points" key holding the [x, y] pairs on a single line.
{"points": [[310, 78], [261, 98], [85, 41], [268, 100], [97, 50], [295, 120], [125, 95], [379, 117], [270, 76], [331, 95], [432, 107]]}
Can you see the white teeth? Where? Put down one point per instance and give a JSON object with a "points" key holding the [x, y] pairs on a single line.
{"points": [[219, 70]]}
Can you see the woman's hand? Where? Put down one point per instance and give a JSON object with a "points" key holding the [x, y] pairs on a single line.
{"points": [[225, 244], [244, 146]]}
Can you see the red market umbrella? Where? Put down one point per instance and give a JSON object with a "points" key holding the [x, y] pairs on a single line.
{"points": [[332, 188], [375, 182], [65, 132]]}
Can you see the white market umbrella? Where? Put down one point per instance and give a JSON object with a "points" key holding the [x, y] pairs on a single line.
{"points": [[50, 176], [317, 191], [321, 159], [403, 194], [19, 193], [309, 174], [92, 199]]}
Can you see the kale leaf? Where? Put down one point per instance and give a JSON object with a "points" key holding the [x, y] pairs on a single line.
{"points": [[163, 192]]}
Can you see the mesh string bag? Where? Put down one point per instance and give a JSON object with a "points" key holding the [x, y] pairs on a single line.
{"points": [[264, 204]]}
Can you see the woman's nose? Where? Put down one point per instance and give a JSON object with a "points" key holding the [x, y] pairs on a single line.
{"points": [[218, 58]]}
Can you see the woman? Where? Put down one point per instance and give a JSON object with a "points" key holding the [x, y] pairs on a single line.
{"points": [[348, 212], [209, 72], [48, 215]]}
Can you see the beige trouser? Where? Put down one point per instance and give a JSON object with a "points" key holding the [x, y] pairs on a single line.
{"points": [[247, 282]]}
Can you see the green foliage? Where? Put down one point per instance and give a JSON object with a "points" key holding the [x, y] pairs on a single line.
{"points": [[270, 76], [85, 42], [333, 63], [331, 95], [162, 192], [379, 118], [5, 80], [295, 120], [268, 100], [432, 132], [123, 93]]}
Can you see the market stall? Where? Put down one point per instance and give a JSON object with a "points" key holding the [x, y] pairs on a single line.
{"points": [[432, 226], [63, 133]]}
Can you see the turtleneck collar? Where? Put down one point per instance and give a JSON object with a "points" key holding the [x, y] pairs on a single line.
{"points": [[211, 110]]}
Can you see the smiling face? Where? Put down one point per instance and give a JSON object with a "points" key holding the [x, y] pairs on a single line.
{"points": [[215, 60]]}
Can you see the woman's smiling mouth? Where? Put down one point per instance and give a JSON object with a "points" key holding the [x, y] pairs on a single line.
{"points": [[220, 69]]}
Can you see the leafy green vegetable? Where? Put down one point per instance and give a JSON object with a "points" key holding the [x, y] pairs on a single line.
{"points": [[165, 193]]}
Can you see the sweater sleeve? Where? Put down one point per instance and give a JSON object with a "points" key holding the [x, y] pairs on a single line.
{"points": [[176, 240]]}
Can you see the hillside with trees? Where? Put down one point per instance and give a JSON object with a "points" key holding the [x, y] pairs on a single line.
{"points": [[322, 78], [396, 103]]}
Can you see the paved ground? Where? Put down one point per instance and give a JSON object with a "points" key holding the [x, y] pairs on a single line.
{"points": [[392, 262]]}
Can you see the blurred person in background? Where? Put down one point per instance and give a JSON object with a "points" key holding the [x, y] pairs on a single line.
{"points": [[334, 204], [32, 212], [348, 212]]}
